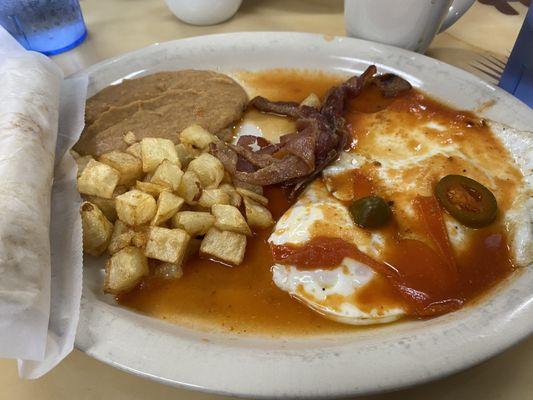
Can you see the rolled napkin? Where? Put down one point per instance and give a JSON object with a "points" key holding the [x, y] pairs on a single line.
{"points": [[40, 238]]}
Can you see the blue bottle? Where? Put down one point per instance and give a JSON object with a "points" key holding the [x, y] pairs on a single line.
{"points": [[517, 77], [47, 26]]}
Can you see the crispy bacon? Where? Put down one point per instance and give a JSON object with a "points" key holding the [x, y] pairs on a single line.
{"points": [[299, 157], [288, 108], [252, 141]]}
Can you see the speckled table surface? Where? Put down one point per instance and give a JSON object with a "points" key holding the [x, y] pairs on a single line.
{"points": [[119, 26]]}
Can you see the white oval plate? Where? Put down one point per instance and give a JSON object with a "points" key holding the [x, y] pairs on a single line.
{"points": [[368, 361]]}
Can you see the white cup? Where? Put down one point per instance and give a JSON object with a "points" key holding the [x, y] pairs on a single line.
{"points": [[411, 24], [203, 12]]}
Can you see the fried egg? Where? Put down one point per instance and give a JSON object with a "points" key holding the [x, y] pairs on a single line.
{"points": [[331, 292], [402, 151]]}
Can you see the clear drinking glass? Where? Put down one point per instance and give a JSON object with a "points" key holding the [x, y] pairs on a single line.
{"points": [[47, 26]]}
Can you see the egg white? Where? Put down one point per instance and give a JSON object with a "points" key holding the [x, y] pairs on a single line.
{"points": [[321, 289]]}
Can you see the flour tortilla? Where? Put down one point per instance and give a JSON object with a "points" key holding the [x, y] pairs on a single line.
{"points": [[29, 103]]}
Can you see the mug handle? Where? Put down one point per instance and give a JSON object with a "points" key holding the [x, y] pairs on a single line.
{"points": [[456, 10]]}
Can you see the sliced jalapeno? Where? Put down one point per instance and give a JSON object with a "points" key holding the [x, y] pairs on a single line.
{"points": [[370, 212], [467, 200]]}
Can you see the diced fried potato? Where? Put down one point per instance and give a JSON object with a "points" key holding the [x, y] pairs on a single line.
{"points": [[124, 270], [224, 245], [169, 245], [229, 218], [186, 153], [135, 207], [167, 270], [155, 150], [134, 150], [311, 101], [167, 174], [96, 229], [129, 138], [208, 169], [234, 197], [129, 167], [190, 188], [248, 186], [167, 205], [82, 162], [210, 197], [98, 179], [121, 237], [253, 196], [196, 223], [197, 137], [140, 238], [107, 206], [152, 189], [257, 215]]}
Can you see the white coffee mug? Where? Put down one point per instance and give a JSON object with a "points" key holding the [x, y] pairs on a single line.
{"points": [[411, 24]]}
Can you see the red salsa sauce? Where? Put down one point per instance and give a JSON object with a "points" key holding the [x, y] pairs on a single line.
{"points": [[430, 282], [430, 279]]}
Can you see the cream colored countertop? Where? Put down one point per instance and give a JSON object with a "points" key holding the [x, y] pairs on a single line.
{"points": [[119, 26]]}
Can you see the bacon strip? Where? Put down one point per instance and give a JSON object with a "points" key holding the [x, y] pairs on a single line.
{"points": [[300, 156]]}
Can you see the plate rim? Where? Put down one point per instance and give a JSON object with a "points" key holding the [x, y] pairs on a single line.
{"points": [[507, 341]]}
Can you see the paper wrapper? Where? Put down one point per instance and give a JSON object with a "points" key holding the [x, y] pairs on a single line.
{"points": [[40, 228]]}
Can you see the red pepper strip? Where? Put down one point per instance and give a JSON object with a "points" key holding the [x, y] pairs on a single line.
{"points": [[431, 215]]}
